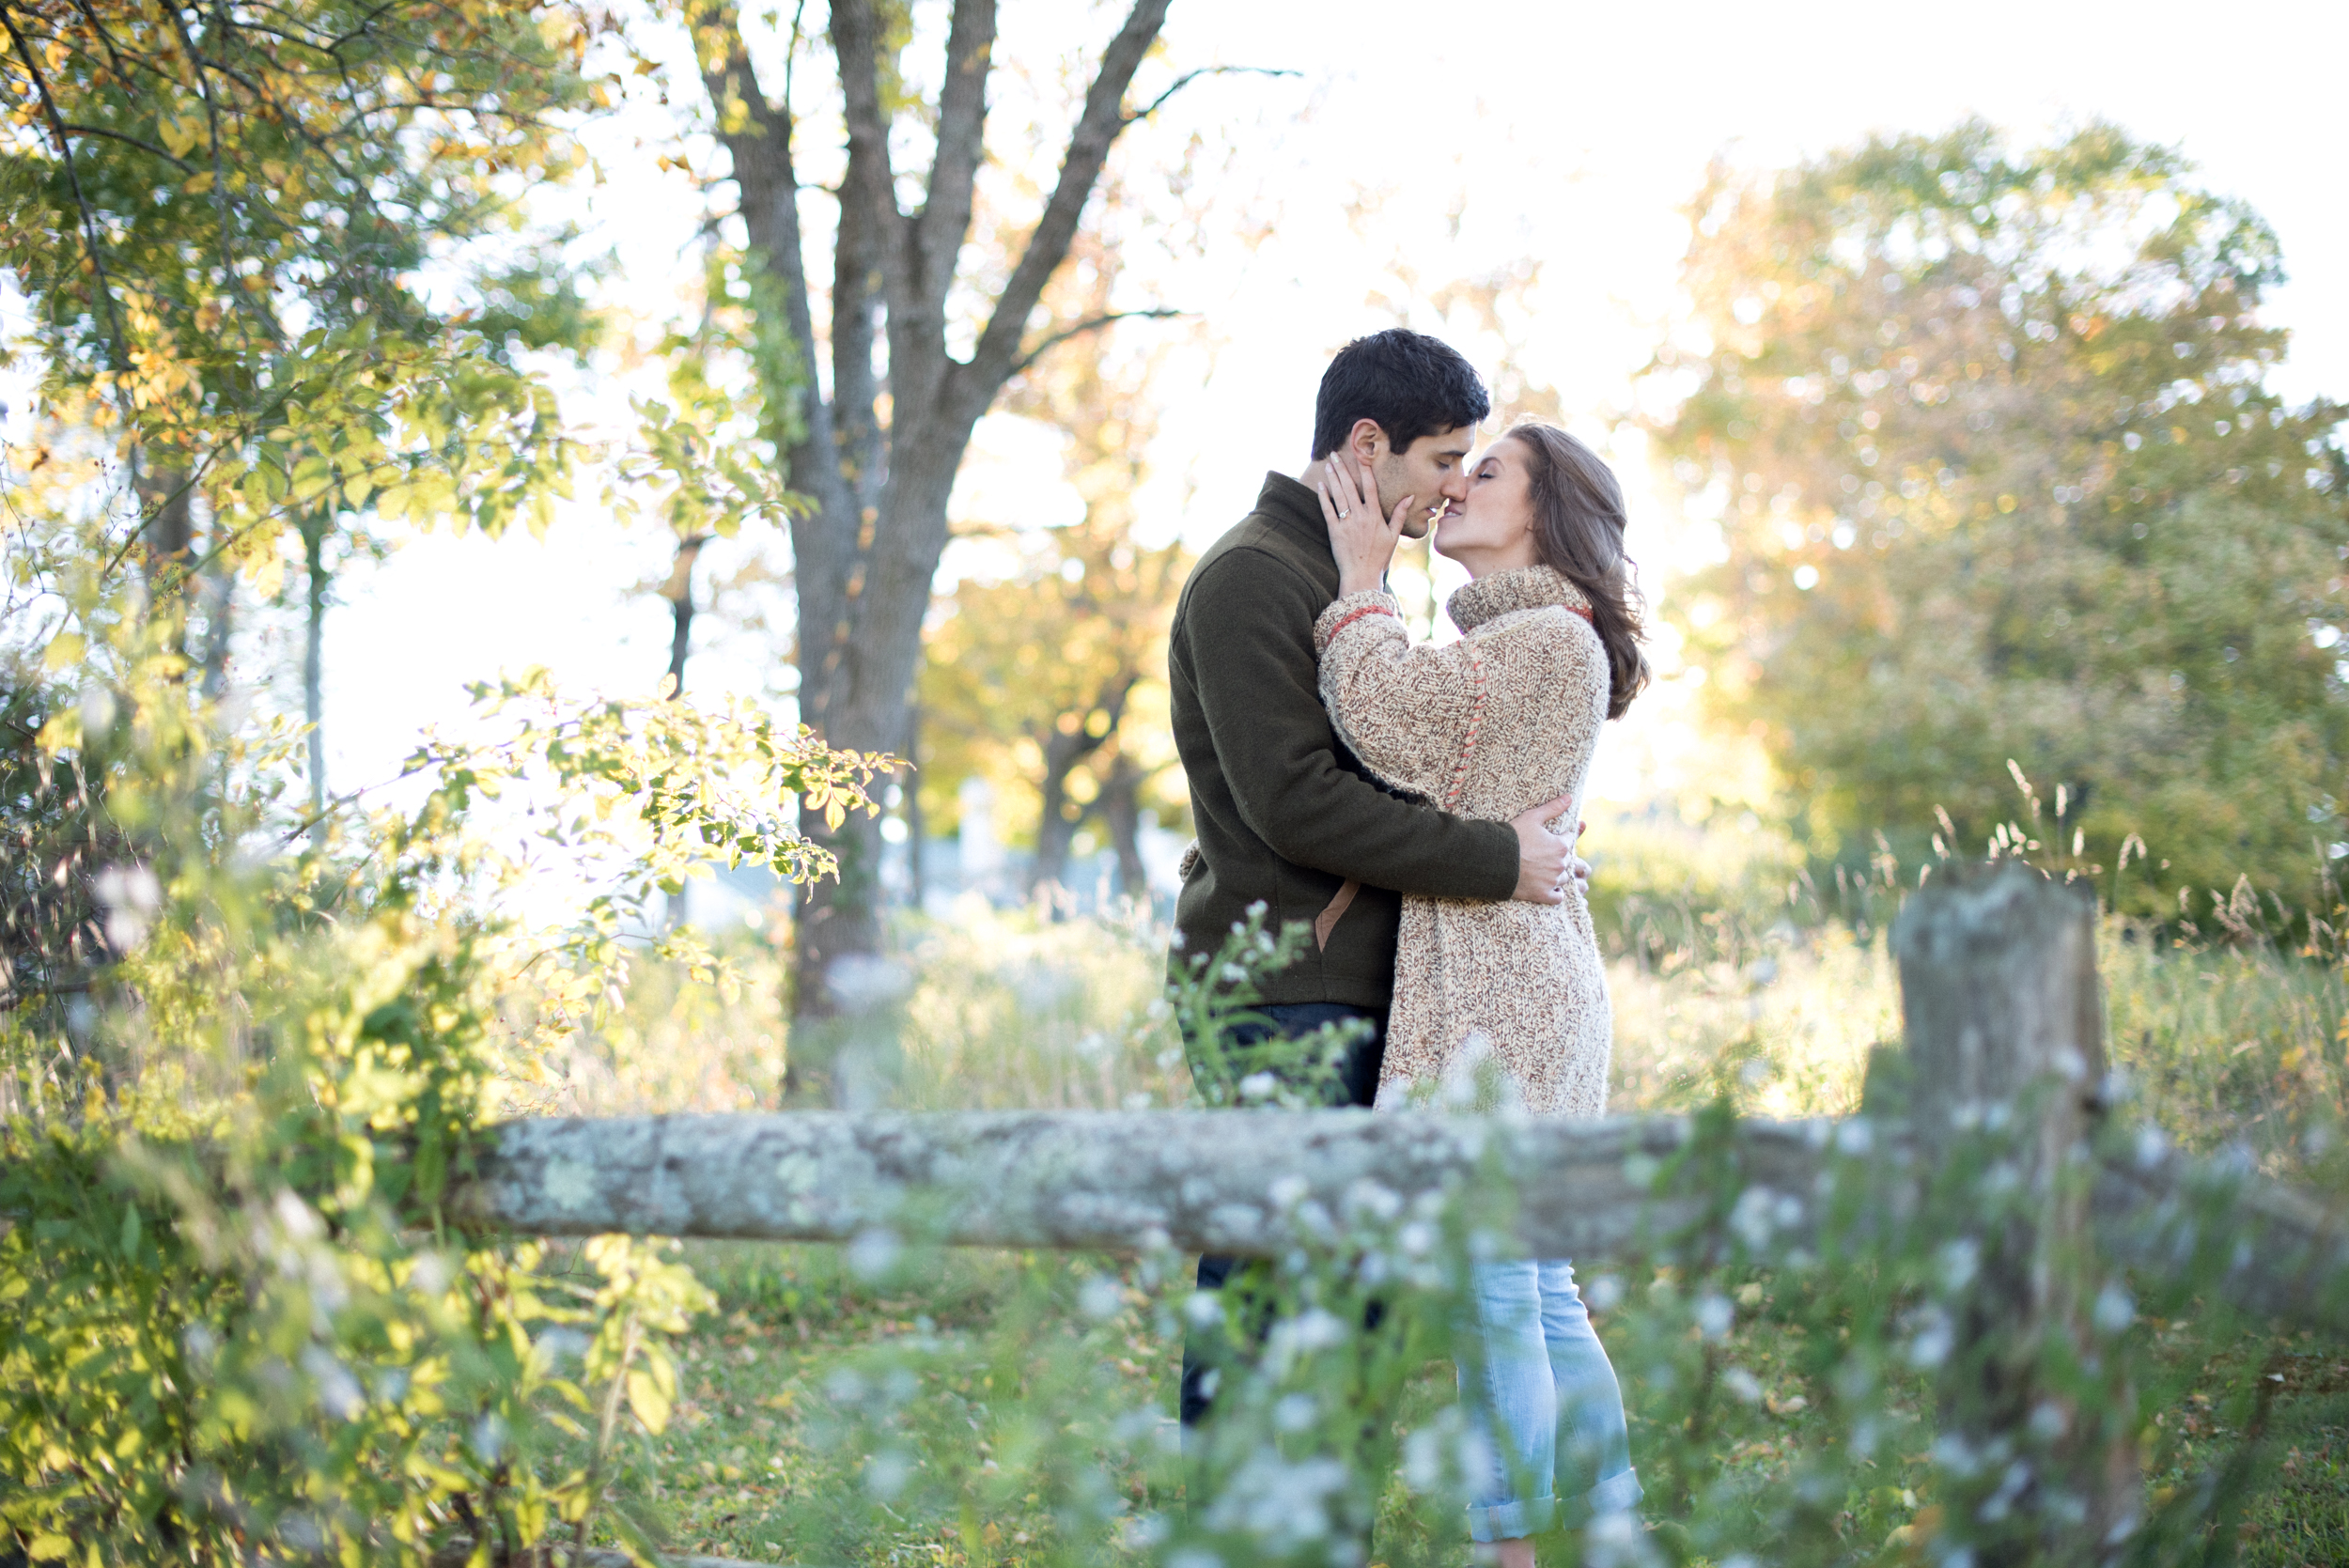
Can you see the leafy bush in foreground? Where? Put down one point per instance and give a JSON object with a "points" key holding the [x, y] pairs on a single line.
{"points": [[239, 1324]]}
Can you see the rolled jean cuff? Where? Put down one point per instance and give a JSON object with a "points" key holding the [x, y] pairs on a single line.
{"points": [[1512, 1520], [1618, 1493]]}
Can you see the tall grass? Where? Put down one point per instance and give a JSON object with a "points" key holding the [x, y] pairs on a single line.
{"points": [[1780, 1025], [1722, 985], [1737, 970], [672, 1043], [1015, 1009], [988, 1010], [2232, 1047]]}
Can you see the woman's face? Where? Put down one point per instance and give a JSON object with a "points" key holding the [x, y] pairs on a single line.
{"points": [[1491, 529]]}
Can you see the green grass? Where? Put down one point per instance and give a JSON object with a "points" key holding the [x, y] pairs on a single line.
{"points": [[766, 1454], [2293, 1391], [753, 1467]]}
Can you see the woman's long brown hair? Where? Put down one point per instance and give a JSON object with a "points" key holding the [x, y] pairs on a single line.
{"points": [[1578, 530]]}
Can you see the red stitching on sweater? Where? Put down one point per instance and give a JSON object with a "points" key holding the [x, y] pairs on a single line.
{"points": [[1350, 619]]}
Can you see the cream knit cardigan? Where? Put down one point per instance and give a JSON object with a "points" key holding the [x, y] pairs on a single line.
{"points": [[1503, 719]]}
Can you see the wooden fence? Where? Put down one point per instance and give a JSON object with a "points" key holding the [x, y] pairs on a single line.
{"points": [[2002, 1020]]}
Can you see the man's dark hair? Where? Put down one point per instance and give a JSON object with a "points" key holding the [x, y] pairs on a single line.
{"points": [[1410, 385]]}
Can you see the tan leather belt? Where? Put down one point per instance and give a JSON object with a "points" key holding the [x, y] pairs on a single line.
{"points": [[1326, 921]]}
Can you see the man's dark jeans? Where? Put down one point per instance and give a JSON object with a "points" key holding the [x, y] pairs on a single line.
{"points": [[1358, 1084]]}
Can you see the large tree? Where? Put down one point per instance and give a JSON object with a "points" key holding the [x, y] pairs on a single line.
{"points": [[880, 439], [221, 219], [2000, 477], [242, 233], [1050, 678]]}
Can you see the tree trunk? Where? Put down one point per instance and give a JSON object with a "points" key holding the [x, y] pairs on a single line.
{"points": [[167, 537], [863, 557], [170, 528], [917, 826], [218, 590], [2005, 1034], [1120, 810], [1055, 828], [680, 592], [314, 659], [1063, 749]]}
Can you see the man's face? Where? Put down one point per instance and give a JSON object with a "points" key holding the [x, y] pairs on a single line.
{"points": [[1433, 471]]}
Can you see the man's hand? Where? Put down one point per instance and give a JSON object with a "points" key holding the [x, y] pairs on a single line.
{"points": [[1545, 858]]}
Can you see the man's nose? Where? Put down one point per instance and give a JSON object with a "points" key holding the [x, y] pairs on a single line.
{"points": [[1454, 487]]}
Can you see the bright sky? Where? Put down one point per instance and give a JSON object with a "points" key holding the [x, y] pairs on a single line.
{"points": [[1568, 134]]}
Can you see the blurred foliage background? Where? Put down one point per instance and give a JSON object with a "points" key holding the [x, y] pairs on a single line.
{"points": [[1999, 481], [2016, 551]]}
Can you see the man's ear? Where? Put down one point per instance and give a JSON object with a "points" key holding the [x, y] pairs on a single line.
{"points": [[1367, 440]]}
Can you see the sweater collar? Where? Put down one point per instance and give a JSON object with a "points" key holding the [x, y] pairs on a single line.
{"points": [[1296, 509], [1527, 588]]}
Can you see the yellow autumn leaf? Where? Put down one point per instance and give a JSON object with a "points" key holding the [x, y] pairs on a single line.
{"points": [[646, 1400], [312, 478], [65, 648]]}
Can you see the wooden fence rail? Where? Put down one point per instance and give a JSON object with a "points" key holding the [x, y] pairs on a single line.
{"points": [[1248, 1182], [2004, 1031], [1252, 1183], [1999, 991]]}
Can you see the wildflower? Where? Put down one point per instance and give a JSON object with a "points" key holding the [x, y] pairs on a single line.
{"points": [[2114, 1310], [1933, 1340], [888, 1473], [131, 896], [1958, 1262]]}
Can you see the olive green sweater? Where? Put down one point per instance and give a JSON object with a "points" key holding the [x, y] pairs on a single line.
{"points": [[1285, 812]]}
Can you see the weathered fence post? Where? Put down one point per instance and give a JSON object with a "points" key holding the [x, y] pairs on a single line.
{"points": [[2005, 1034]]}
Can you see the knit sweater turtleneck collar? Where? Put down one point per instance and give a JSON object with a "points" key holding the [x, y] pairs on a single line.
{"points": [[1503, 592]]}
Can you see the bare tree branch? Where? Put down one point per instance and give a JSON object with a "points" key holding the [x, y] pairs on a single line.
{"points": [[74, 182], [977, 381], [244, 304], [767, 185], [143, 144], [872, 182], [961, 143], [1092, 323], [1186, 78], [868, 232]]}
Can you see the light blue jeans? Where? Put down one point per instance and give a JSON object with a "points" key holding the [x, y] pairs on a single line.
{"points": [[1538, 1389]]}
